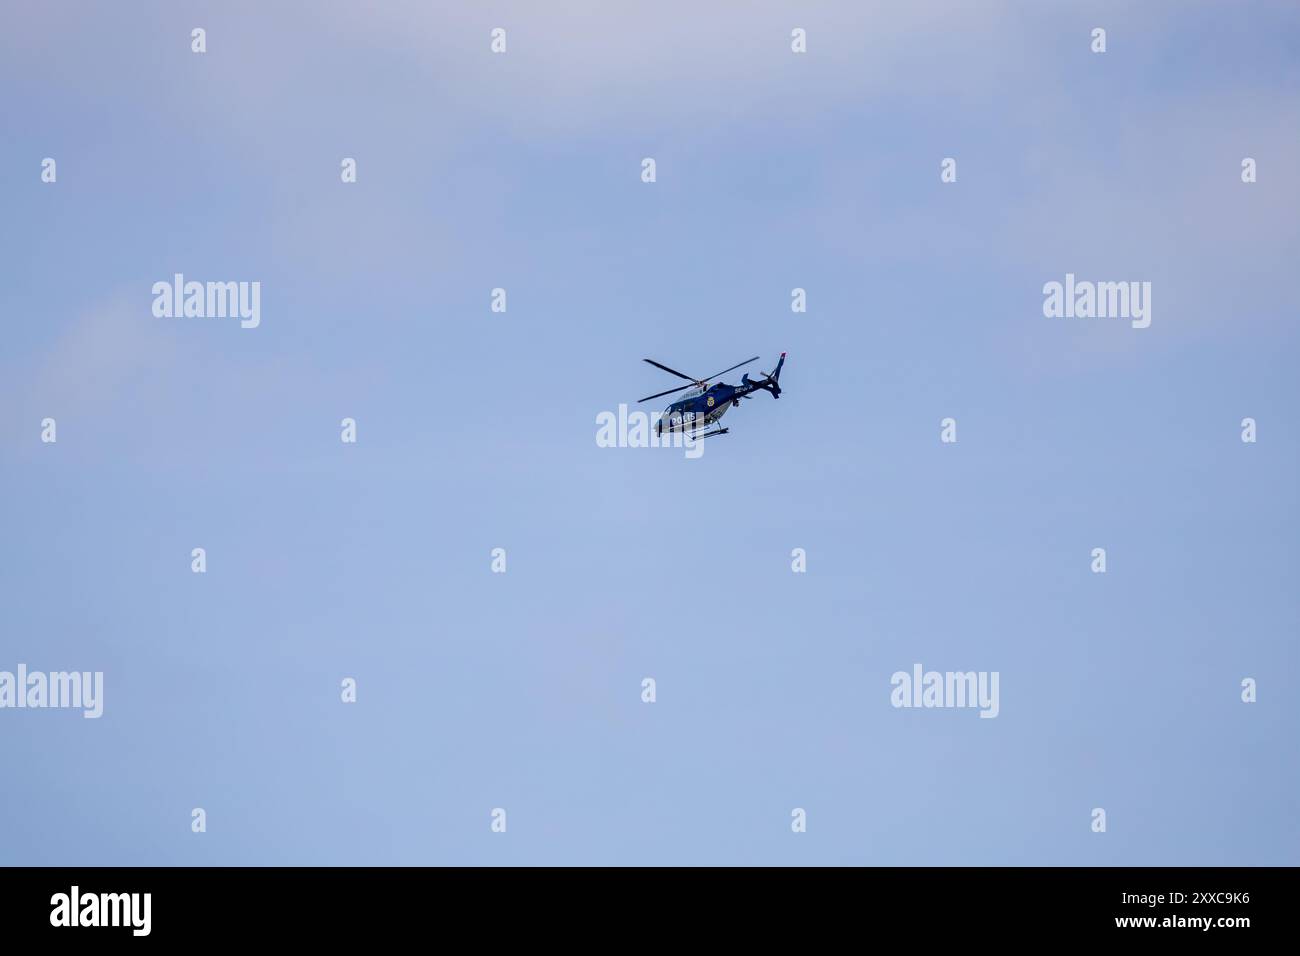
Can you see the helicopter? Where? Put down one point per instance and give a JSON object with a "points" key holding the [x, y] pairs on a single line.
{"points": [[704, 404]]}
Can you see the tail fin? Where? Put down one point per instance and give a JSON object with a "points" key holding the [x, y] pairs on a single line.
{"points": [[769, 379], [776, 372], [772, 378]]}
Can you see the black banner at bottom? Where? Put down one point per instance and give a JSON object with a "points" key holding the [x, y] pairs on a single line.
{"points": [[333, 905]]}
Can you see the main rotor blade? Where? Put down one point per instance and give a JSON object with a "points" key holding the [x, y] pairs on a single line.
{"points": [[674, 372], [679, 388], [734, 367]]}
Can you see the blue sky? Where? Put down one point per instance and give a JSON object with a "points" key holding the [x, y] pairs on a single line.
{"points": [[477, 430]]}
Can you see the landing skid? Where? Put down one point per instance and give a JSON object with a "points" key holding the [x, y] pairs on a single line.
{"points": [[720, 431]]}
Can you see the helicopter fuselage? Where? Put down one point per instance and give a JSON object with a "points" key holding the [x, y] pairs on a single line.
{"points": [[703, 404], [702, 407]]}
